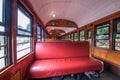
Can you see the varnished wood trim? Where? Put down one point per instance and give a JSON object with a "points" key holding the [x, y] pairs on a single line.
{"points": [[13, 32], [62, 23]]}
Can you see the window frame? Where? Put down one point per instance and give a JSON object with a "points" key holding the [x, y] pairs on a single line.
{"points": [[3, 13], [67, 37], [39, 26], [3, 23], [80, 34], [115, 32], [29, 16], [75, 36], [72, 36], [101, 24], [43, 34], [89, 30], [6, 23], [89, 38], [46, 35]]}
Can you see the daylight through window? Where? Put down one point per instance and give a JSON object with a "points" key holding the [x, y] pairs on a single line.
{"points": [[102, 35], [117, 34], [24, 32], [82, 38]]}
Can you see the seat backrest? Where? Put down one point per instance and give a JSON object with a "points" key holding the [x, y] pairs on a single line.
{"points": [[55, 50]]}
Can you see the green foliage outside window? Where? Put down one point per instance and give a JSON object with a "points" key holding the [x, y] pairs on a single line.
{"points": [[117, 35], [89, 36], [102, 35], [75, 36], [82, 38]]}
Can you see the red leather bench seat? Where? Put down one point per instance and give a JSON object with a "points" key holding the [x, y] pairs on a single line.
{"points": [[62, 58], [57, 67]]}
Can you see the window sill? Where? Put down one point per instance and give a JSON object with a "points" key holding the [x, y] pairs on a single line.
{"points": [[5, 69], [22, 58]]}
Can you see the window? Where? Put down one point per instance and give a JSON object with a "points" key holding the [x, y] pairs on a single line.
{"points": [[5, 33], [63, 37], [1, 10], [66, 37], [82, 38], [89, 35], [46, 36], [75, 36], [69, 37], [38, 33], [43, 35], [72, 38], [117, 34], [102, 35], [24, 32]]}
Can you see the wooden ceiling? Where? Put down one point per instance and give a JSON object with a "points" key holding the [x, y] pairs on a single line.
{"points": [[61, 23], [81, 12], [56, 32]]}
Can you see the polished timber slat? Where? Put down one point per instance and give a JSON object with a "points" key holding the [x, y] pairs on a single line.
{"points": [[103, 76]]}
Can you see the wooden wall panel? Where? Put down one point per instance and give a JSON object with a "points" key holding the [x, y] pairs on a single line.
{"points": [[109, 56], [16, 76], [18, 70]]}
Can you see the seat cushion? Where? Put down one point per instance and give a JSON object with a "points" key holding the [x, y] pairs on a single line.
{"points": [[57, 67]]}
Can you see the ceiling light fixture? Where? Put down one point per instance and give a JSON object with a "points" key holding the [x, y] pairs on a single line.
{"points": [[53, 15]]}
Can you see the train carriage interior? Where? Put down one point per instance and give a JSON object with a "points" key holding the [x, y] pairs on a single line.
{"points": [[59, 39]]}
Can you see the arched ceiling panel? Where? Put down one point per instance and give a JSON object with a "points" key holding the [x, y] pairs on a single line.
{"points": [[82, 12], [62, 23], [49, 28]]}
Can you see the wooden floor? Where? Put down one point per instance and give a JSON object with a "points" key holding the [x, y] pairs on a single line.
{"points": [[103, 76]]}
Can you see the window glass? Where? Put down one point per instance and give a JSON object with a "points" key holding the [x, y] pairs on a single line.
{"points": [[23, 52], [65, 37], [69, 36], [2, 45], [89, 36], [102, 43], [118, 26], [38, 36], [75, 36], [2, 51], [2, 29], [23, 42], [82, 38], [4, 34], [38, 29], [23, 45], [2, 40], [24, 22], [43, 35], [38, 33], [24, 33], [102, 35], [1, 10], [72, 37], [2, 63], [46, 36]]}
